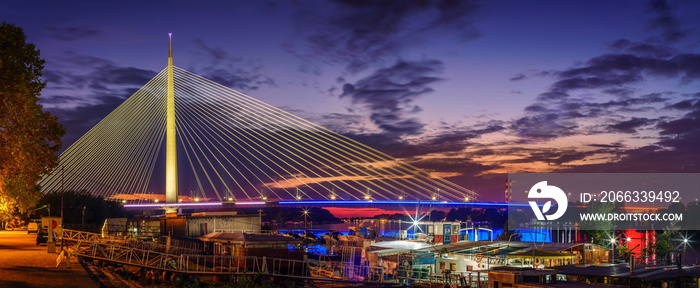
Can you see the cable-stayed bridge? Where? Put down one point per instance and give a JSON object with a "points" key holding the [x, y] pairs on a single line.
{"points": [[231, 147]]}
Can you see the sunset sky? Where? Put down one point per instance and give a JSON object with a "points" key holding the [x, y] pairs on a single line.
{"points": [[469, 89]]}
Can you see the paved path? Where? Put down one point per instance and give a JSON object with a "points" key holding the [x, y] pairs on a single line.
{"points": [[25, 265]]}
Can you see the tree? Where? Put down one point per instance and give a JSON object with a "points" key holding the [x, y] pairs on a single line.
{"points": [[29, 136]]}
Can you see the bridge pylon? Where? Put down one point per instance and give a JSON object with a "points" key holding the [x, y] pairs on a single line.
{"points": [[170, 134]]}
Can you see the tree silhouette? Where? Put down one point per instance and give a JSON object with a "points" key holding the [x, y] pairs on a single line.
{"points": [[29, 137]]}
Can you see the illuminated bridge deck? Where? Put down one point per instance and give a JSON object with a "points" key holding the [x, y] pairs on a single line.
{"points": [[322, 203]]}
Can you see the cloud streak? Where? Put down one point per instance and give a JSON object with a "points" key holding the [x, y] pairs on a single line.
{"points": [[389, 94]]}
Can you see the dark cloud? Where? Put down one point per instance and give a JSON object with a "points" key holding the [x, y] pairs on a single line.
{"points": [[450, 140], [630, 126], [643, 49], [665, 21], [358, 34], [543, 126], [614, 145], [389, 94], [646, 159], [79, 119], [72, 33], [518, 77], [619, 91], [77, 71], [558, 156], [617, 70], [685, 105], [83, 89], [681, 126], [221, 67]]}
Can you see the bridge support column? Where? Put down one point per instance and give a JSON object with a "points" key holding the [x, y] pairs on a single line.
{"points": [[170, 140]]}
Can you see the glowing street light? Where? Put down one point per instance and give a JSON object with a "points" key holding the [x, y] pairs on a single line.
{"points": [[612, 244], [685, 248]]}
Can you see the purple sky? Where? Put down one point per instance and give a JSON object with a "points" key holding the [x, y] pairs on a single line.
{"points": [[471, 89]]}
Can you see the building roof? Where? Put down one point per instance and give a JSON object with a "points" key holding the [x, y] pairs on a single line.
{"points": [[648, 272], [456, 246], [538, 253], [245, 238], [406, 245], [494, 248]]}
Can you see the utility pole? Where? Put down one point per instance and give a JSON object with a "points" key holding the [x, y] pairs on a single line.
{"points": [[306, 224]]}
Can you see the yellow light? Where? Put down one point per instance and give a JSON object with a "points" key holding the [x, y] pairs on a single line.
{"points": [[332, 197], [123, 201], [264, 198], [179, 200], [466, 199], [400, 197], [298, 197], [196, 199], [156, 200], [230, 198], [366, 197], [434, 198]]}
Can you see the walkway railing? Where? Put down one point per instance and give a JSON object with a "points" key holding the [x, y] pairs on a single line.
{"points": [[74, 235], [91, 246]]}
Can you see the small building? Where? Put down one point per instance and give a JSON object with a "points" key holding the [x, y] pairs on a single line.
{"points": [[529, 278], [586, 253], [436, 232], [144, 228], [624, 274], [249, 244], [468, 256], [199, 224], [384, 254], [542, 258]]}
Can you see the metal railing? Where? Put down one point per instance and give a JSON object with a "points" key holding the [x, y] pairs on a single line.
{"points": [[130, 252], [74, 235]]}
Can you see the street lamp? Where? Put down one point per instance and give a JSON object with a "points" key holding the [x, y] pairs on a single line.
{"points": [[612, 244], [685, 247], [306, 224]]}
